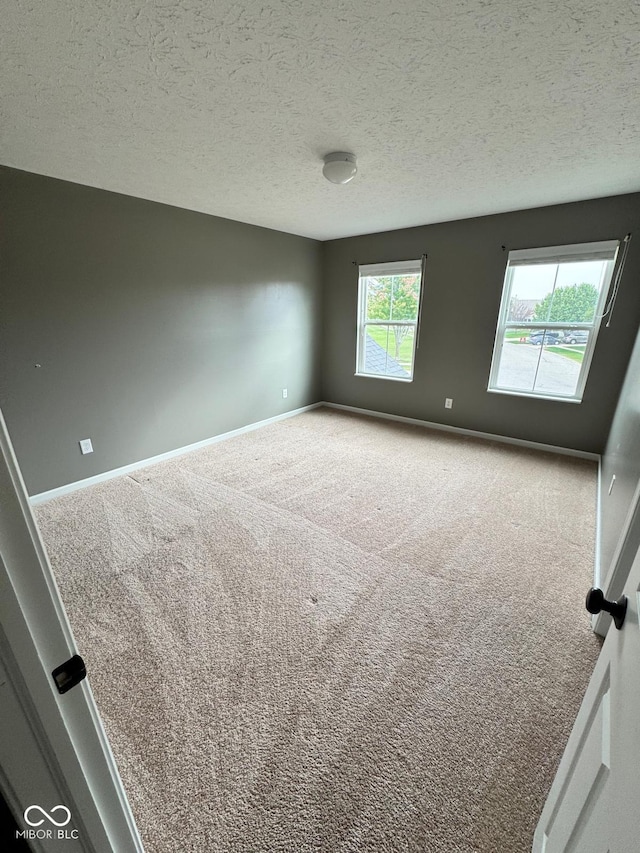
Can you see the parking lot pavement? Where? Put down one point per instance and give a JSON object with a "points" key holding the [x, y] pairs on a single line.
{"points": [[523, 364]]}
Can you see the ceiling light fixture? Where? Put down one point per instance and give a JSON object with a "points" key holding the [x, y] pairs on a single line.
{"points": [[339, 167]]}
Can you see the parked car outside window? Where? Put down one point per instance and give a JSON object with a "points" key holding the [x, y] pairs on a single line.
{"points": [[576, 336], [540, 337]]}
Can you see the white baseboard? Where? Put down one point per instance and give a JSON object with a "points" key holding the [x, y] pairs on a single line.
{"points": [[43, 497], [520, 442]]}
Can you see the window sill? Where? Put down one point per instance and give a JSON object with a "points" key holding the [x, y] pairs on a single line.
{"points": [[535, 396], [379, 376]]}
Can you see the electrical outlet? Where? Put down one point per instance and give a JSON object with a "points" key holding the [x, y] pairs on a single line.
{"points": [[285, 393], [448, 403], [86, 446]]}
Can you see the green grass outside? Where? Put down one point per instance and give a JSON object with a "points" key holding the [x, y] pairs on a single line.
{"points": [[574, 354], [379, 335], [406, 347]]}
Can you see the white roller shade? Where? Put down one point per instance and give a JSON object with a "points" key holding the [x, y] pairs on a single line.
{"points": [[394, 268], [602, 251]]}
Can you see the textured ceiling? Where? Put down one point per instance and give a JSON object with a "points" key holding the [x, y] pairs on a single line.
{"points": [[454, 108]]}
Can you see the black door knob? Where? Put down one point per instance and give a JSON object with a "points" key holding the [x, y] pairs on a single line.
{"points": [[597, 602]]}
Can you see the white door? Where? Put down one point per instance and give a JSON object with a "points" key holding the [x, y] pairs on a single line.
{"points": [[614, 579], [594, 802], [57, 772]]}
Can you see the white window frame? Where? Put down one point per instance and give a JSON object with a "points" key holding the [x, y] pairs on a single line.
{"points": [[387, 269], [605, 250]]}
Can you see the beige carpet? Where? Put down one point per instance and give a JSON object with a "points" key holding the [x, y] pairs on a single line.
{"points": [[335, 634]]}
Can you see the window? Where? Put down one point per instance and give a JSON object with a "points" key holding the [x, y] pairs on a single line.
{"points": [[552, 303], [388, 310]]}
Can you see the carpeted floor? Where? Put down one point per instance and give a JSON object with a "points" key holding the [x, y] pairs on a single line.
{"points": [[335, 634]]}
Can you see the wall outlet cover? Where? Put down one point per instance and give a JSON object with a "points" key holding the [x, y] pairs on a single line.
{"points": [[448, 403], [86, 446]]}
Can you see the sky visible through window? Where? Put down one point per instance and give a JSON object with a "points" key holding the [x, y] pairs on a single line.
{"points": [[537, 280]]}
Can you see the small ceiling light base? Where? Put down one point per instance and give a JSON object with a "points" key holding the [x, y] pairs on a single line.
{"points": [[339, 167]]}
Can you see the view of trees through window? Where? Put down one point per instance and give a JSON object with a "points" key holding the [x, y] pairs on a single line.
{"points": [[571, 304], [388, 325]]}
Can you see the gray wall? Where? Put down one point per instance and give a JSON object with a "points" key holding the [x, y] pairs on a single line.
{"points": [[622, 458], [154, 327], [157, 327], [465, 271]]}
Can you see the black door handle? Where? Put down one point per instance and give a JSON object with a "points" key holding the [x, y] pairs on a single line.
{"points": [[597, 602]]}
